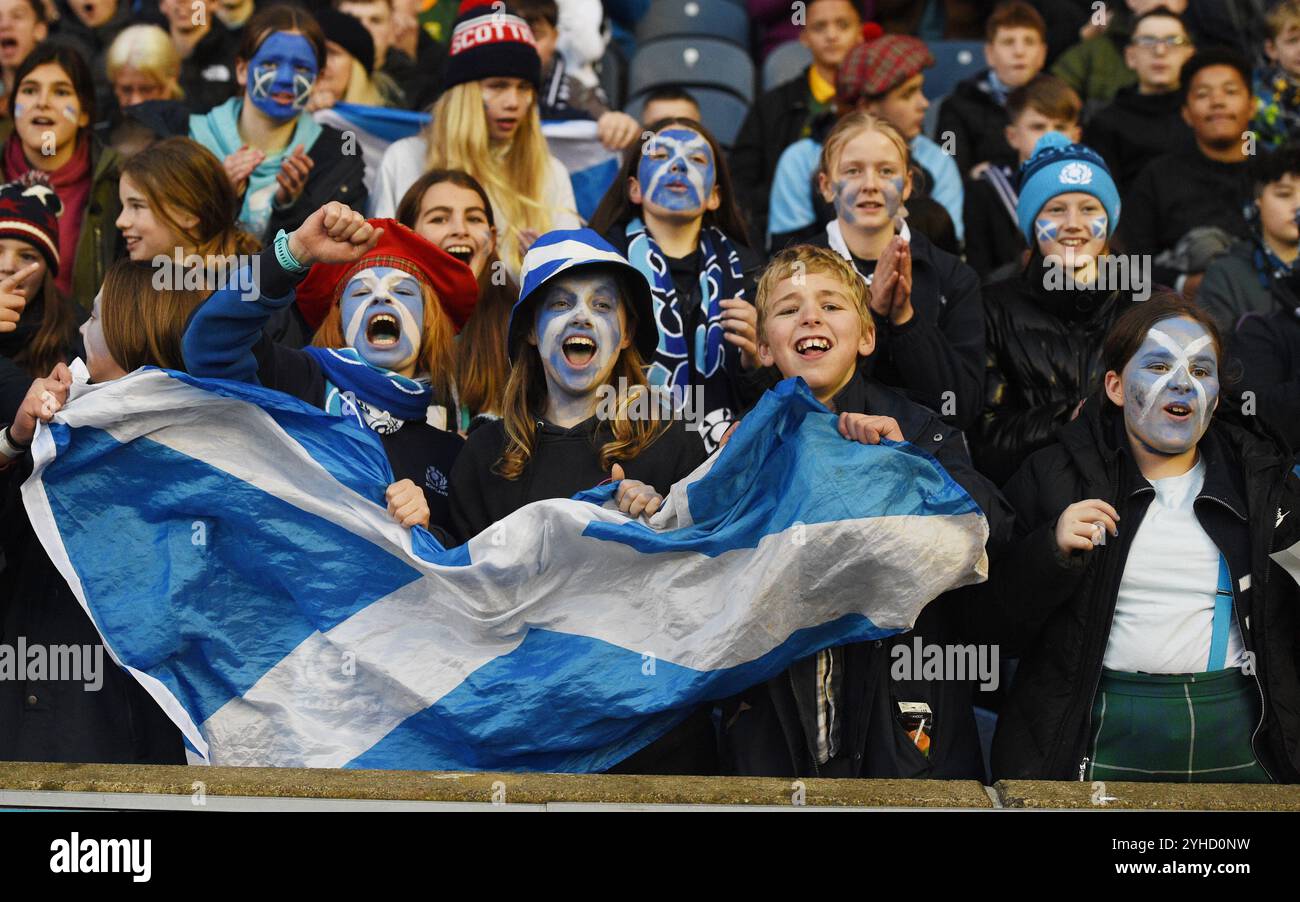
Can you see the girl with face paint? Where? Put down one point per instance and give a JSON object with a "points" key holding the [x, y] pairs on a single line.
{"points": [[925, 302], [674, 215], [577, 337], [486, 123], [1045, 324], [281, 162], [1140, 586], [54, 107], [451, 209], [382, 356]]}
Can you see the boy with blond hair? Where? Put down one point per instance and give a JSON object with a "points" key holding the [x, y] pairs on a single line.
{"points": [[837, 713], [1277, 85]]}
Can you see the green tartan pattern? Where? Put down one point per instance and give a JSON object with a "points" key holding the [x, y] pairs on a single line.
{"points": [[1175, 728]]}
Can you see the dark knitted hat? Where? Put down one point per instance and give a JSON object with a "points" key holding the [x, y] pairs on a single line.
{"points": [[349, 33], [29, 211], [489, 41]]}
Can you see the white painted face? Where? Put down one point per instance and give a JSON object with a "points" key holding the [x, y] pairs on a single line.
{"points": [[1171, 386], [579, 331], [383, 317]]}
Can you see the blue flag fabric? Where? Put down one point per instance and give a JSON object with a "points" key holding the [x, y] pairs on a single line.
{"points": [[232, 546]]}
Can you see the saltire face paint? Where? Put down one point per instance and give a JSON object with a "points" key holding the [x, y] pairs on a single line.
{"points": [[677, 171], [1097, 225], [284, 66], [383, 316], [1171, 386], [579, 330], [1046, 229]]}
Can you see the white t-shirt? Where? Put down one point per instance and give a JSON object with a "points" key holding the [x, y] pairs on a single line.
{"points": [[1164, 614]]}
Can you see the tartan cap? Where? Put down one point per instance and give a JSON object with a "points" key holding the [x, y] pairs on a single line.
{"points": [[879, 64]]}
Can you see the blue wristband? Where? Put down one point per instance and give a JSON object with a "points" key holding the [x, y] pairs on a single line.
{"points": [[284, 256]]}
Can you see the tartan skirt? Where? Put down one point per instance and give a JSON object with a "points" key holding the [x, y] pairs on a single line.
{"points": [[1175, 728]]}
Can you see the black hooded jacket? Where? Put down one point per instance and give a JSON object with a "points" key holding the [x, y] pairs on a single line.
{"points": [[1055, 611], [1044, 356]]}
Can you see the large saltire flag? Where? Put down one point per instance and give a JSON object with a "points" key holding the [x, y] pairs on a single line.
{"points": [[232, 547]]}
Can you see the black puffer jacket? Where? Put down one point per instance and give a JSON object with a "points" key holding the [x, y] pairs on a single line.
{"points": [[1056, 612], [1044, 356]]}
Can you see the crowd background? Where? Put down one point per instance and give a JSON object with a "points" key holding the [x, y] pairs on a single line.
{"points": [[942, 156]]}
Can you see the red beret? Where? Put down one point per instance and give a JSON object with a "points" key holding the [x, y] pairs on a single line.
{"points": [[451, 280]]}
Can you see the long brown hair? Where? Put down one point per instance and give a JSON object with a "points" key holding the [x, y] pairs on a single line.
{"points": [[437, 351], [616, 209], [1131, 327], [142, 324], [53, 338], [180, 174], [525, 400], [482, 364]]}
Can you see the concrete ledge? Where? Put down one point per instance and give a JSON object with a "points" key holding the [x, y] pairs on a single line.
{"points": [[1147, 796], [485, 788]]}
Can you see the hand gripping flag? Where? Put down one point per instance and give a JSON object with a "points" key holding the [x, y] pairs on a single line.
{"points": [[232, 546]]}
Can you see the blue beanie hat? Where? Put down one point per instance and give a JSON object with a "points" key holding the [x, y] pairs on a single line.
{"points": [[1059, 167]]}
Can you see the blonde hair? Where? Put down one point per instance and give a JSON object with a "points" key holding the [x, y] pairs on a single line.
{"points": [[1283, 15], [515, 178], [849, 128], [149, 50], [804, 260], [360, 88]]}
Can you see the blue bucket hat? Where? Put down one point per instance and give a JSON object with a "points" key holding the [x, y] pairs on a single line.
{"points": [[562, 252], [1059, 167]]}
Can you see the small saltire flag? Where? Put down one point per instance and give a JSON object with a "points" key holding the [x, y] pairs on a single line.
{"points": [[232, 547]]}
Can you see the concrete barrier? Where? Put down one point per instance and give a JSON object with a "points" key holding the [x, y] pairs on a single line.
{"points": [[242, 788], [1147, 796]]}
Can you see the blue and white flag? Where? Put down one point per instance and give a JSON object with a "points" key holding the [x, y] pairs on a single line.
{"points": [[232, 546], [592, 168]]}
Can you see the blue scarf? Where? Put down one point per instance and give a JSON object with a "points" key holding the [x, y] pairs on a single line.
{"points": [[713, 358], [379, 399], [218, 131]]}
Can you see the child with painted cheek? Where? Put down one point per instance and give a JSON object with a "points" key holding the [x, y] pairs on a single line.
{"points": [[674, 216], [1151, 509], [578, 413], [925, 302]]}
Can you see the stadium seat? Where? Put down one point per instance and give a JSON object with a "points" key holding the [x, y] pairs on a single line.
{"points": [[723, 112], [694, 18], [784, 63], [703, 62], [953, 61]]}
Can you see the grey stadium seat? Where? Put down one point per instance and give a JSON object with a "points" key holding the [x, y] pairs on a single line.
{"points": [[784, 63], [685, 18], [723, 112], [703, 62]]}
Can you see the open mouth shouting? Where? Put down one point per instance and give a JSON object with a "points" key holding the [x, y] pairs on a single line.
{"points": [[812, 347], [1178, 411], [579, 350], [383, 330], [462, 252]]}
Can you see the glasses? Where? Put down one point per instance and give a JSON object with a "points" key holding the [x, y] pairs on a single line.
{"points": [[1150, 43]]}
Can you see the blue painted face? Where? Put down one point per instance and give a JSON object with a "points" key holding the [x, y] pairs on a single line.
{"points": [[578, 331], [1171, 386], [677, 171], [383, 317], [281, 75]]}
